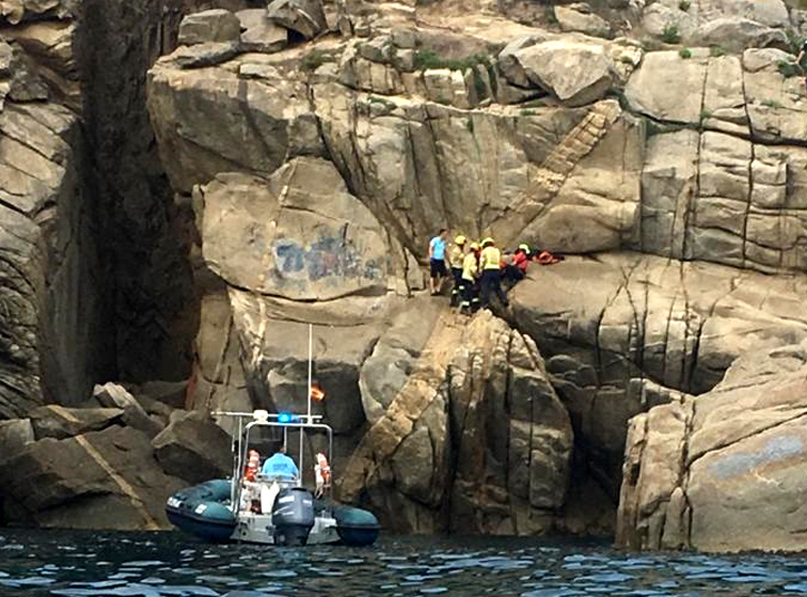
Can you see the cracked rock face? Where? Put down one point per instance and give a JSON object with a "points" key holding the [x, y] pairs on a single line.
{"points": [[266, 175], [77, 173], [680, 177], [611, 324], [47, 344], [695, 469], [468, 418], [733, 192]]}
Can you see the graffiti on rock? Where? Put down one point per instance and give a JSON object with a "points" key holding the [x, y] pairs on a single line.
{"points": [[327, 257]]}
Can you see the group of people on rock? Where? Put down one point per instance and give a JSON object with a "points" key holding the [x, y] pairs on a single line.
{"points": [[478, 269]]}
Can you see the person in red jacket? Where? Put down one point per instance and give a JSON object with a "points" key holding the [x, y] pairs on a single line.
{"points": [[517, 268]]}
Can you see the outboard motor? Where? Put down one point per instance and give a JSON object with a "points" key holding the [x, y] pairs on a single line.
{"points": [[293, 516]]}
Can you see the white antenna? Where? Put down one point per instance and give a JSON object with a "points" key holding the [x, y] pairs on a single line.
{"points": [[310, 360]]}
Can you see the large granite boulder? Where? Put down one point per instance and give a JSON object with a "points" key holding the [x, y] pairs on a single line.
{"points": [[738, 34], [275, 361], [576, 72], [579, 17], [216, 25], [204, 54], [773, 13], [304, 17], [259, 33], [401, 465], [170, 393], [100, 480], [193, 448], [723, 471], [14, 435], [247, 125], [59, 422], [667, 15], [310, 238], [112, 395]]}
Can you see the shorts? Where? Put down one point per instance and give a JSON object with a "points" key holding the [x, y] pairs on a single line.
{"points": [[438, 268]]}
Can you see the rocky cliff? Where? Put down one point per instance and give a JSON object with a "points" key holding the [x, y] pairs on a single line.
{"points": [[302, 156]]}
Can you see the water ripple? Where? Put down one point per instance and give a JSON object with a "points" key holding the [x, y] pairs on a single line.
{"points": [[75, 564]]}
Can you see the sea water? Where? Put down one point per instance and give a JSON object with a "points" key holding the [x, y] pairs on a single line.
{"points": [[73, 564]]}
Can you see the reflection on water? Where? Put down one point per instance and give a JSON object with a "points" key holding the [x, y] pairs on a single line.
{"points": [[76, 564]]}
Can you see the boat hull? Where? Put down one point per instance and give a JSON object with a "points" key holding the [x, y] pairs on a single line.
{"points": [[356, 527], [202, 512], [209, 531]]}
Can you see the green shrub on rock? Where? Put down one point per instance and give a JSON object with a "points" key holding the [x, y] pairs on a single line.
{"points": [[314, 59], [795, 40], [670, 34], [788, 69]]}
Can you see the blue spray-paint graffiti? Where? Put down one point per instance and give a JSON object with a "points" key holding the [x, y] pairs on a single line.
{"points": [[289, 256], [328, 256]]}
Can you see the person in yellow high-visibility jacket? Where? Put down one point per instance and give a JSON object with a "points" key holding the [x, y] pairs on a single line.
{"points": [[456, 256], [470, 273], [490, 262]]}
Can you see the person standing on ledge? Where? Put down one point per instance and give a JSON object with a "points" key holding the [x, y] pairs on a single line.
{"points": [[437, 261], [455, 259], [800, 60], [490, 264], [470, 269]]}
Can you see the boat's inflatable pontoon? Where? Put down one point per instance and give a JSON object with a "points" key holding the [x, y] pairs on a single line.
{"points": [[204, 511]]}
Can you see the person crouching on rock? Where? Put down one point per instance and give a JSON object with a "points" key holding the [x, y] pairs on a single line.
{"points": [[437, 261], [470, 270], [516, 271], [490, 261], [455, 259]]}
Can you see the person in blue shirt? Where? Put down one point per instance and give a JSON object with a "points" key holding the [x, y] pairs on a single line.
{"points": [[437, 261], [280, 465]]}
